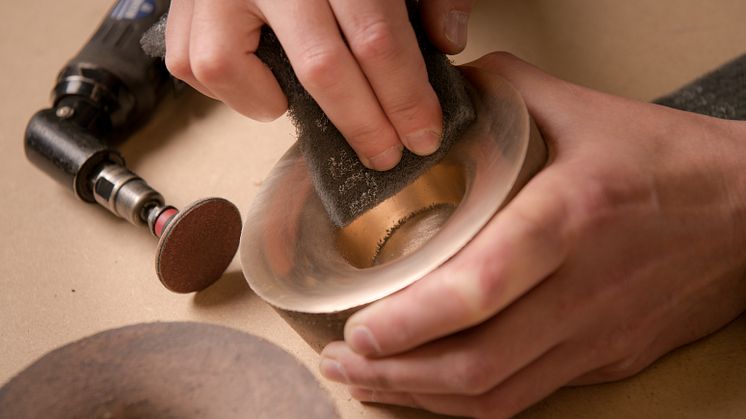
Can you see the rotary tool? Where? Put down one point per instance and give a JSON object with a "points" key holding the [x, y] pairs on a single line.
{"points": [[102, 96]]}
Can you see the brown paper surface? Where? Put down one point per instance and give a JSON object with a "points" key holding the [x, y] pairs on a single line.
{"points": [[68, 270]]}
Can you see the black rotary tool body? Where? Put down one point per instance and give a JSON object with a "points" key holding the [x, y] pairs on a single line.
{"points": [[101, 96]]}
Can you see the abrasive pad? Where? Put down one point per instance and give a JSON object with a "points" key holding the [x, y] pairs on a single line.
{"points": [[344, 185], [166, 370], [198, 244]]}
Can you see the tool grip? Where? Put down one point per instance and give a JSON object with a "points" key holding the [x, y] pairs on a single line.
{"points": [[112, 72], [66, 153], [104, 92]]}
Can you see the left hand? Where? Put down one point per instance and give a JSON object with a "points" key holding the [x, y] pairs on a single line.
{"points": [[628, 244]]}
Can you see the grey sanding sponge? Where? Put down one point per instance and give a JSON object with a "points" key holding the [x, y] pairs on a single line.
{"points": [[346, 187], [720, 93]]}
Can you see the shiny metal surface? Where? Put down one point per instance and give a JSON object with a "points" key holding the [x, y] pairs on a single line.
{"points": [[124, 193], [295, 259], [439, 189]]}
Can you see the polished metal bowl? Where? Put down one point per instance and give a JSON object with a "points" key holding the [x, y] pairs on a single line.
{"points": [[316, 274]]}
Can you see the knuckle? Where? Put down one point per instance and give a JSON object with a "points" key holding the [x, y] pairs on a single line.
{"points": [[211, 67], [627, 367], [479, 285], [593, 201], [472, 376], [178, 65], [370, 139], [319, 66], [379, 380], [374, 40], [491, 285], [466, 286], [535, 227], [600, 197], [411, 107], [623, 342]]}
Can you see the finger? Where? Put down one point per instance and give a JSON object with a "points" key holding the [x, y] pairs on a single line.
{"points": [[471, 362], [382, 39], [526, 387], [446, 23], [224, 37], [522, 245], [475, 360], [325, 66], [178, 28]]}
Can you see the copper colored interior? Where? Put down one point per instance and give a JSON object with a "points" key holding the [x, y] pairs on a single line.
{"points": [[401, 224]]}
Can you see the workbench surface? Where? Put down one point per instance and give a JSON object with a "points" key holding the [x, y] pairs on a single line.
{"points": [[68, 270]]}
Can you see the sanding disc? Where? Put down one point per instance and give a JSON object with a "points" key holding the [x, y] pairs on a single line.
{"points": [[198, 244], [166, 370]]}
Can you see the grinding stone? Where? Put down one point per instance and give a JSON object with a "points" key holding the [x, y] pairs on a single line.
{"points": [[166, 370]]}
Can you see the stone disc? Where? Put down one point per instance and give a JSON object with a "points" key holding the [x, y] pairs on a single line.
{"points": [[166, 370]]}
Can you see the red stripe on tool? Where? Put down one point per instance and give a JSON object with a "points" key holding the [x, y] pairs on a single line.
{"points": [[163, 219]]}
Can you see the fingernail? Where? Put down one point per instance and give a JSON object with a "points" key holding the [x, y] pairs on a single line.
{"points": [[385, 160], [362, 341], [456, 27], [333, 370], [423, 142]]}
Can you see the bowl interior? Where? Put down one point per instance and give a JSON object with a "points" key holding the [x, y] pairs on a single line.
{"points": [[402, 223], [297, 260]]}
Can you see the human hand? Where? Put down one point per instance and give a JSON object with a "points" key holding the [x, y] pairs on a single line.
{"points": [[627, 245], [359, 60]]}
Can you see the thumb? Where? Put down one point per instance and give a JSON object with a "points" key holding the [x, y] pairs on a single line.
{"points": [[553, 103]]}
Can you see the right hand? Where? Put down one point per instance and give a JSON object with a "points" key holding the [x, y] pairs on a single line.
{"points": [[359, 60], [628, 244]]}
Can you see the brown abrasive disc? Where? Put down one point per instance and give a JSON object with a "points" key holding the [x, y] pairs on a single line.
{"points": [[198, 244], [166, 370]]}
